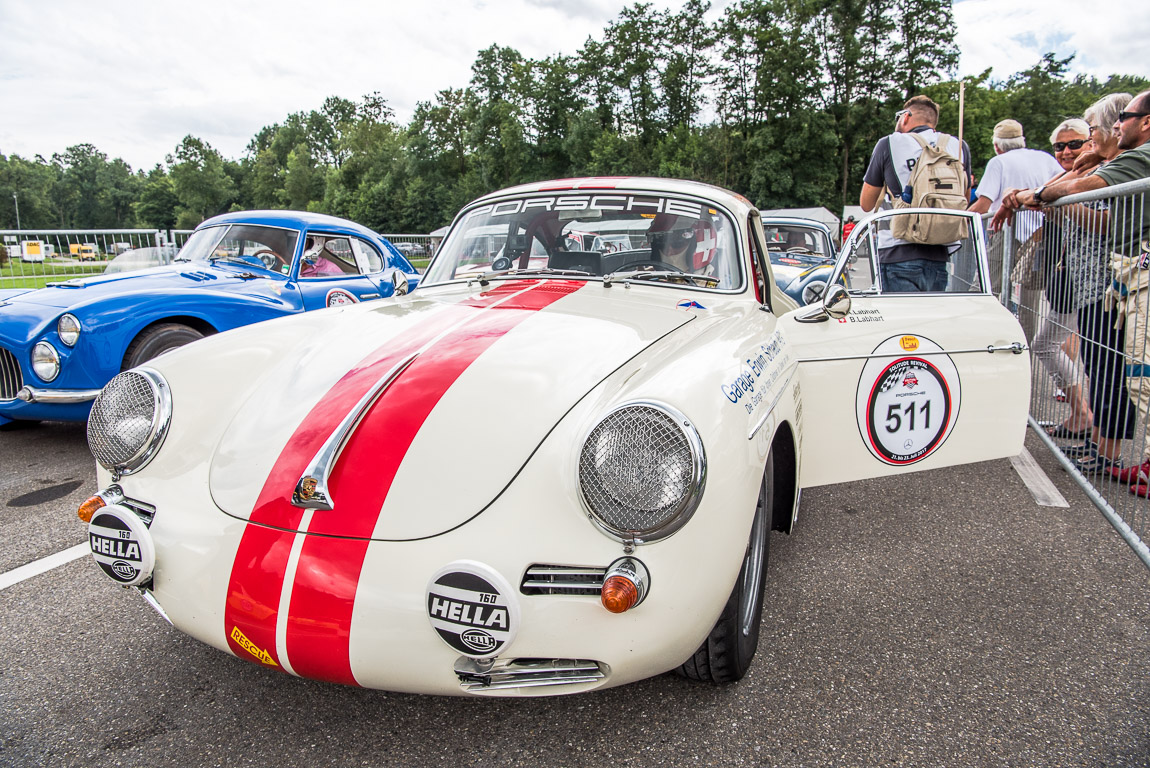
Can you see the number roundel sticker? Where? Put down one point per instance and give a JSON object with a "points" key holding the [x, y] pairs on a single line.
{"points": [[908, 399]]}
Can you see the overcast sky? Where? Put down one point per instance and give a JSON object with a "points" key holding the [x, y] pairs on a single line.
{"points": [[133, 77]]}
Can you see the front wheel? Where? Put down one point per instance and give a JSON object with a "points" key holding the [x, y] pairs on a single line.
{"points": [[726, 654], [156, 340]]}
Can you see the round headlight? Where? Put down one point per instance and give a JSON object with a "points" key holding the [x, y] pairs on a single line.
{"points": [[641, 472], [129, 420], [45, 361], [69, 329]]}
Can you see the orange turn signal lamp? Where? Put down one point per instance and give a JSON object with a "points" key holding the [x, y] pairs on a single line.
{"points": [[625, 585], [94, 504]]}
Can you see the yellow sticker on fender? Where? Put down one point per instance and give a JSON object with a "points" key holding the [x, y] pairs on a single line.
{"points": [[909, 343], [250, 647]]}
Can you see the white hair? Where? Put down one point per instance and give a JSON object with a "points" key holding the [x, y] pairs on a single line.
{"points": [[1104, 112], [1074, 125], [1005, 145]]}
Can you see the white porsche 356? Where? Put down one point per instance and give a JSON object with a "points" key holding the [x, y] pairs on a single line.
{"points": [[554, 466]]}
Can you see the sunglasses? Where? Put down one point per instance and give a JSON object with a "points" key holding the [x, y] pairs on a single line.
{"points": [[1124, 116], [1075, 144], [898, 115]]}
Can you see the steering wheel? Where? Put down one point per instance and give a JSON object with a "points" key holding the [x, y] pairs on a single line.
{"points": [[634, 265], [268, 257], [799, 249]]}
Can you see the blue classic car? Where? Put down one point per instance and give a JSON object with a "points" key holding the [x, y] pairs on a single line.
{"points": [[61, 344], [802, 256]]}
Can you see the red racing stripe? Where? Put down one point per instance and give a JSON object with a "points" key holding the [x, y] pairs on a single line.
{"points": [[256, 583], [323, 596]]}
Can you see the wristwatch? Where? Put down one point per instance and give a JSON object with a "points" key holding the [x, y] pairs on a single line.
{"points": [[1038, 194]]}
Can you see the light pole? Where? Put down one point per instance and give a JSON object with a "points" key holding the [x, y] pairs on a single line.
{"points": [[17, 202]]}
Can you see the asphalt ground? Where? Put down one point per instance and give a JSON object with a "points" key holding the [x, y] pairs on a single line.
{"points": [[938, 619]]}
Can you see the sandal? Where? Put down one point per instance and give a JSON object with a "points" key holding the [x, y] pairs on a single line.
{"points": [[1062, 432], [1094, 462]]}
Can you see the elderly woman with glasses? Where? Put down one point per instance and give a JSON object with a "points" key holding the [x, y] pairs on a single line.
{"points": [[1069, 140], [1085, 233]]}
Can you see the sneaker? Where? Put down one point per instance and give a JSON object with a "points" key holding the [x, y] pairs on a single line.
{"points": [[1137, 475], [1141, 489], [1094, 462], [1078, 451], [1059, 396]]}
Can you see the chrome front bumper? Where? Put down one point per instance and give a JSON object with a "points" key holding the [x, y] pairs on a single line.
{"points": [[33, 395]]}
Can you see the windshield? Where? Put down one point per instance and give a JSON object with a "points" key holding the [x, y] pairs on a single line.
{"points": [[797, 240], [596, 235], [269, 248]]}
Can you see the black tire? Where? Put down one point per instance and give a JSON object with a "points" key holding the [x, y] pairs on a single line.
{"points": [[156, 340], [726, 654]]}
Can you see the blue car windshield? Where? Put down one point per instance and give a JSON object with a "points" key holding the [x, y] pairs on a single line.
{"points": [[270, 248]]}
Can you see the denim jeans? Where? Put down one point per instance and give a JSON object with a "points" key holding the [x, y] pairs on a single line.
{"points": [[921, 275]]}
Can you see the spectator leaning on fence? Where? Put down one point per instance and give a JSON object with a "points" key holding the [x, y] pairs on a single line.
{"points": [[907, 266], [1013, 167], [1089, 247], [1059, 327]]}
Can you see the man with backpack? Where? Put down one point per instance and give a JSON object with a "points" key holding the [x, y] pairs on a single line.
{"points": [[916, 166]]}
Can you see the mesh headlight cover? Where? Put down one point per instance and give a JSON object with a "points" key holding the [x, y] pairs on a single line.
{"points": [[129, 420], [641, 471]]}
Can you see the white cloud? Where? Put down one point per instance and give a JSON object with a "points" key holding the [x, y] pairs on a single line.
{"points": [[134, 77], [1012, 35]]}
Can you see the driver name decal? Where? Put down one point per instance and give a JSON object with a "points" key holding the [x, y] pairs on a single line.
{"points": [[907, 405]]}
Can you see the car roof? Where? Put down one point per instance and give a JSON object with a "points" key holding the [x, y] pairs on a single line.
{"points": [[735, 202], [294, 219]]}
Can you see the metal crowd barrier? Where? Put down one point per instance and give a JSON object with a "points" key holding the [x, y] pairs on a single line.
{"points": [[1086, 315], [32, 257]]}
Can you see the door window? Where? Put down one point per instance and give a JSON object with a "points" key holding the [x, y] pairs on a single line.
{"points": [[338, 256]]}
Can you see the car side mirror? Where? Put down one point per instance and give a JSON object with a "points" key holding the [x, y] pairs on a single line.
{"points": [[398, 282], [837, 302], [836, 305]]}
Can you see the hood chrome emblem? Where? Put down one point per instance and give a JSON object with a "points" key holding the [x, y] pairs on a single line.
{"points": [[311, 489]]}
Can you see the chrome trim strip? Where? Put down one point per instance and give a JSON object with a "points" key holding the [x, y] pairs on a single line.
{"points": [[479, 676], [34, 395], [315, 495], [152, 602], [1015, 347]]}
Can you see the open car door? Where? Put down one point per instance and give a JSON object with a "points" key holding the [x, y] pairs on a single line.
{"points": [[894, 381]]}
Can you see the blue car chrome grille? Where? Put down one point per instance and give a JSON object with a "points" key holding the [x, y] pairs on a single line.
{"points": [[10, 378]]}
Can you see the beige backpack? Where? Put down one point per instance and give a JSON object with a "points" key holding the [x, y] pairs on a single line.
{"points": [[937, 181]]}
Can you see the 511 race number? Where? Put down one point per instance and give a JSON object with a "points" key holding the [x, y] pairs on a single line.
{"points": [[907, 406]]}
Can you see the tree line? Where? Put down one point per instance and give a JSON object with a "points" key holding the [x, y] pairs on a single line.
{"points": [[780, 100]]}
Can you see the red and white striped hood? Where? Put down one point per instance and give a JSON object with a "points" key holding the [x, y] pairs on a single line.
{"points": [[490, 377]]}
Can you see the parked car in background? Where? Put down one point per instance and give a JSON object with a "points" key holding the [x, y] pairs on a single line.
{"points": [[59, 345], [411, 249], [802, 257], [546, 471]]}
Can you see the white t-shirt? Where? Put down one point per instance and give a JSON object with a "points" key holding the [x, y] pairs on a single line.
{"points": [[1018, 169]]}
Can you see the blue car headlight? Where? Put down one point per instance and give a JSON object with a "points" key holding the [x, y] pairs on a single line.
{"points": [[69, 329], [45, 361]]}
